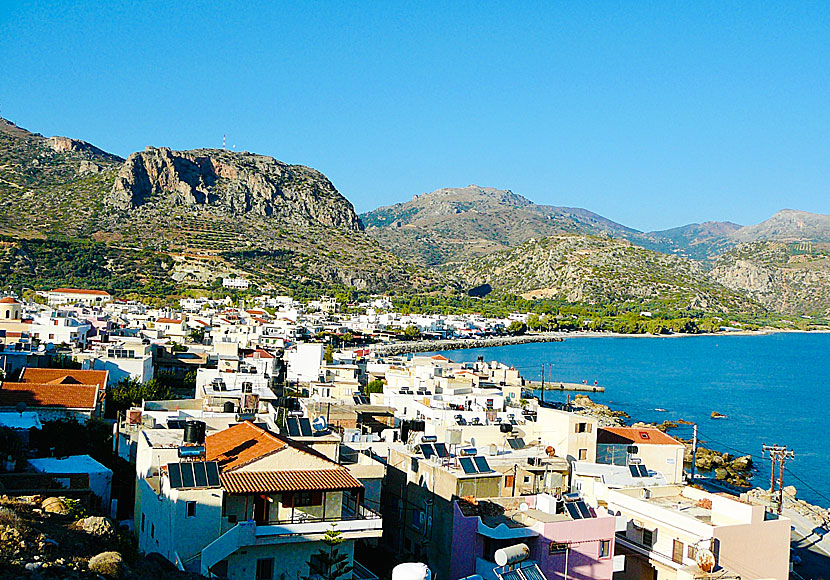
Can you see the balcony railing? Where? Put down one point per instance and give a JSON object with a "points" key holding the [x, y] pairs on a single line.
{"points": [[346, 515]]}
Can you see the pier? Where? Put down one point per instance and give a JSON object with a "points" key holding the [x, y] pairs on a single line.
{"points": [[560, 386]]}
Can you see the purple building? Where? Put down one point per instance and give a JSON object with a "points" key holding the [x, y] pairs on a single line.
{"points": [[571, 541]]}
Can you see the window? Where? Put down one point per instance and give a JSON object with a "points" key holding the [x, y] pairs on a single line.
{"points": [[691, 552], [265, 569], [583, 454], [307, 498], [509, 481], [557, 548], [648, 538], [677, 552], [604, 548], [190, 509], [527, 479]]}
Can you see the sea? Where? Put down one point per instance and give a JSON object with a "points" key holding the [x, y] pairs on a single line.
{"points": [[773, 389]]}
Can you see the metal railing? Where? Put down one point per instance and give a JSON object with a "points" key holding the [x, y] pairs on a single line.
{"points": [[361, 513]]}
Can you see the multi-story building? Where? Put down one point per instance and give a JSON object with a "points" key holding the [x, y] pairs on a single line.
{"points": [[665, 531], [255, 505]]}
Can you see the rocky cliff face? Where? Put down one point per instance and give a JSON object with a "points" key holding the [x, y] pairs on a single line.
{"points": [[793, 278], [238, 183]]}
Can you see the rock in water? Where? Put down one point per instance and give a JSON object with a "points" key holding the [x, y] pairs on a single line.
{"points": [[107, 564], [97, 526]]}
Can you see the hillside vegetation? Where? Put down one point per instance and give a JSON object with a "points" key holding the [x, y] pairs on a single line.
{"points": [[163, 221], [579, 268]]}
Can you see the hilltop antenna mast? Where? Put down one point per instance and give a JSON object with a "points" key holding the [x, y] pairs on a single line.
{"points": [[223, 141], [781, 454]]}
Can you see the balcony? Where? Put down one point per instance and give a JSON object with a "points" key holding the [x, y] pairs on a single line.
{"points": [[352, 524], [359, 523]]}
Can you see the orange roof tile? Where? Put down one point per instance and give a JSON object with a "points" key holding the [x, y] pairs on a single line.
{"points": [[41, 395], [168, 321], [241, 444], [278, 481], [79, 291], [65, 377], [8, 300], [636, 435]]}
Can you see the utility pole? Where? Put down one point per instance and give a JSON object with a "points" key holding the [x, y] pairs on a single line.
{"points": [[781, 454], [543, 383], [694, 450]]}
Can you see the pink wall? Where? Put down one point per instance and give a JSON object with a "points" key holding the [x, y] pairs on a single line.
{"points": [[583, 559]]}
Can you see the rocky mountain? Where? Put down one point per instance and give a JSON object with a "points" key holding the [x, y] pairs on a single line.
{"points": [[238, 183], [787, 225], [455, 224], [580, 268], [787, 277], [180, 219]]}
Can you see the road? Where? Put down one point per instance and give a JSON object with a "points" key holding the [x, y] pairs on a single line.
{"points": [[815, 563]]}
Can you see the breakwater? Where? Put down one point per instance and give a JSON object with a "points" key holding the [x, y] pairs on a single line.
{"points": [[414, 346]]}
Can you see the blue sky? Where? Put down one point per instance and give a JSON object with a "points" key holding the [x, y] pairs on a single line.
{"points": [[651, 114]]}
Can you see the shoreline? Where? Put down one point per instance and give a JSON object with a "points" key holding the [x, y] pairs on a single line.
{"points": [[425, 346]]}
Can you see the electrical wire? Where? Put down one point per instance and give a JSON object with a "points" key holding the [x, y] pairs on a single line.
{"points": [[787, 469]]}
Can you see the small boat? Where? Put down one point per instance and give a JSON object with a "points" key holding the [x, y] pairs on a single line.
{"points": [[716, 415], [658, 409]]}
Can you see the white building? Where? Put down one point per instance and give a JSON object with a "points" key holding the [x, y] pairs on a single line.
{"points": [[256, 505], [60, 296]]}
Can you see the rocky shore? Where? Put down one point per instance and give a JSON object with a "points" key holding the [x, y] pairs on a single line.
{"points": [[461, 343], [45, 538]]}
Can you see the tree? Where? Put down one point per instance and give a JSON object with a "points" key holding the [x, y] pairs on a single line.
{"points": [[534, 322], [375, 386], [328, 354], [130, 391], [516, 327], [329, 563], [412, 332]]}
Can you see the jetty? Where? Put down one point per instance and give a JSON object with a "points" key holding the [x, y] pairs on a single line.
{"points": [[396, 348], [560, 386]]}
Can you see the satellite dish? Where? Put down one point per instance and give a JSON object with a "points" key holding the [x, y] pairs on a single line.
{"points": [[550, 451], [472, 441], [41, 348], [320, 423], [523, 508], [705, 560]]}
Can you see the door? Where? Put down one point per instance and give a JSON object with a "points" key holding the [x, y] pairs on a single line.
{"points": [[261, 504]]}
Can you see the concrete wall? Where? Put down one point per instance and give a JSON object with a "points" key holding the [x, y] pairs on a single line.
{"points": [[290, 560], [667, 459]]}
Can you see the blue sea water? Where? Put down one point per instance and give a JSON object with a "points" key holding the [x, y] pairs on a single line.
{"points": [[774, 389]]}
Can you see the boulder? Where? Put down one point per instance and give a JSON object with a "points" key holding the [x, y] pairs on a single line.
{"points": [[107, 564], [97, 526], [789, 490], [55, 505]]}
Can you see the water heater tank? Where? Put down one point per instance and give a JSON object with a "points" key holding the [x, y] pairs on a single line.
{"points": [[512, 554], [411, 571]]}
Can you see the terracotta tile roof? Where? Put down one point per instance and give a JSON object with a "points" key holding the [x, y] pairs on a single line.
{"points": [[277, 481], [65, 377], [79, 291], [48, 395], [168, 321], [241, 444], [8, 300], [260, 353], [635, 435]]}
